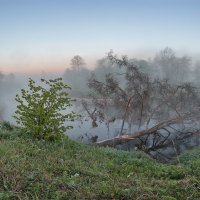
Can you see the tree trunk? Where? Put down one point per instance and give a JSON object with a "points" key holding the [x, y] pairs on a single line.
{"points": [[132, 136]]}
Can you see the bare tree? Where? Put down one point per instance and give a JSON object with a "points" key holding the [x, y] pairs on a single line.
{"points": [[77, 62], [165, 114], [125, 97]]}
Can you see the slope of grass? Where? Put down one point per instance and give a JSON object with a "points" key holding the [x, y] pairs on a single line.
{"points": [[69, 170]]}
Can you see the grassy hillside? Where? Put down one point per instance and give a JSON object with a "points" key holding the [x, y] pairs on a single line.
{"points": [[39, 170]]}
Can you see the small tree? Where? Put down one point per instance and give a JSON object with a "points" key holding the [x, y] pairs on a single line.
{"points": [[77, 62], [39, 109]]}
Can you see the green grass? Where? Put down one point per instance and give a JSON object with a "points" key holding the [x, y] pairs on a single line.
{"points": [[69, 170]]}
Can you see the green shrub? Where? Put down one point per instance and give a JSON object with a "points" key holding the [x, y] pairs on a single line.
{"points": [[39, 109]]}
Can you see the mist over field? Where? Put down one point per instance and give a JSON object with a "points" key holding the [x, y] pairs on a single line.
{"points": [[179, 69], [166, 64]]}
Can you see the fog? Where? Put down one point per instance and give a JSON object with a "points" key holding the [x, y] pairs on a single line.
{"points": [[164, 65]]}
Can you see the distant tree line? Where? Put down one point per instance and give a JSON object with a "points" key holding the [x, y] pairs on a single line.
{"points": [[164, 65]]}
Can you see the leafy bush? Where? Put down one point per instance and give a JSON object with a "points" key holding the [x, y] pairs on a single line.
{"points": [[40, 109]]}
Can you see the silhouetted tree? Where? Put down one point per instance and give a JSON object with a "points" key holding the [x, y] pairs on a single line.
{"points": [[175, 69], [77, 76], [77, 62]]}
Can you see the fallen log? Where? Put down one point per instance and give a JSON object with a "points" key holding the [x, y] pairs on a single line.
{"points": [[115, 141], [121, 139]]}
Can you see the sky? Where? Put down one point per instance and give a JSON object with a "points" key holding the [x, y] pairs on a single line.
{"points": [[43, 35]]}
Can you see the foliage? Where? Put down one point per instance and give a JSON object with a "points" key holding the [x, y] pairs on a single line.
{"points": [[39, 109], [32, 169]]}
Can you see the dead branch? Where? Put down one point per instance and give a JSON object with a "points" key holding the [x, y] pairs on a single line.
{"points": [[91, 114], [127, 137]]}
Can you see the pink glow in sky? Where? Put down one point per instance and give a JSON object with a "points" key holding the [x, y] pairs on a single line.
{"points": [[44, 35], [24, 64]]}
